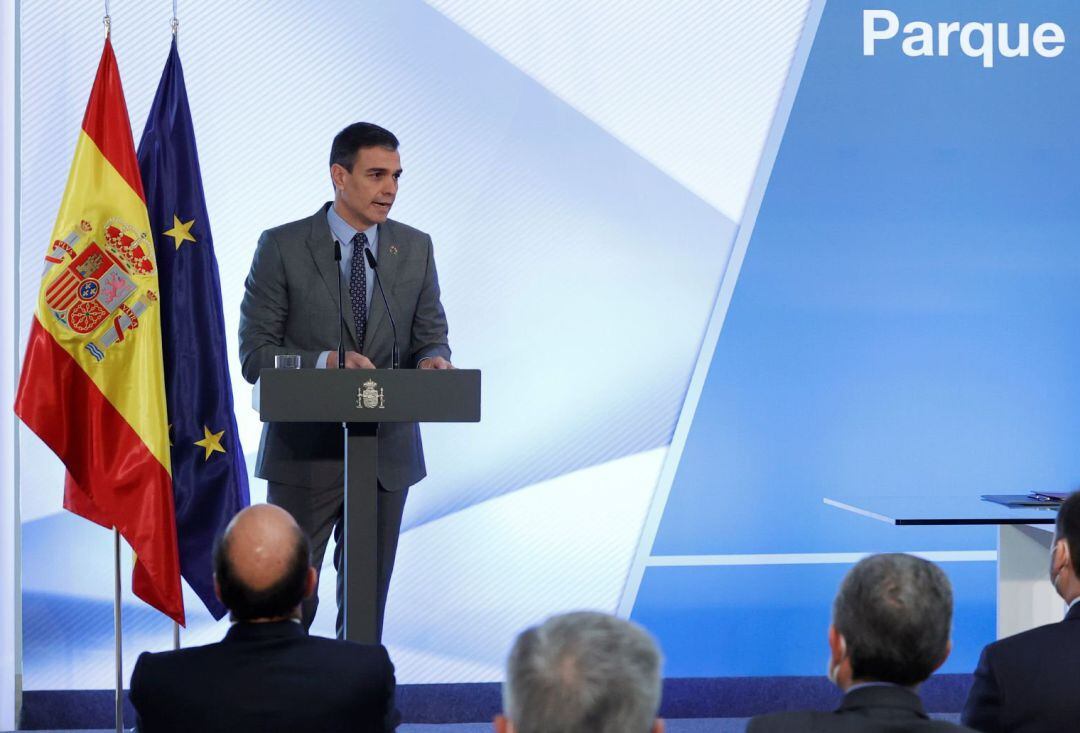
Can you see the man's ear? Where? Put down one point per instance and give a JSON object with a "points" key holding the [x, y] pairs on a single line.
{"points": [[1066, 555], [837, 646], [503, 724], [948, 651], [337, 175], [311, 584]]}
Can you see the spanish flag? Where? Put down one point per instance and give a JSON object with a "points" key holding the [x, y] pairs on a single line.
{"points": [[92, 384]]}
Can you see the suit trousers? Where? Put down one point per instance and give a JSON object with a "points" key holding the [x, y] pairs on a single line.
{"points": [[320, 511]]}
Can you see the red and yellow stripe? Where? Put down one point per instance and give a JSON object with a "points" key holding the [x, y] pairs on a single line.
{"points": [[106, 419]]}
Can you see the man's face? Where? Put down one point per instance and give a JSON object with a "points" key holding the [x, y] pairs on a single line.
{"points": [[364, 197]]}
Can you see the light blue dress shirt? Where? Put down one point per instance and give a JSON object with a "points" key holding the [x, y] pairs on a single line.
{"points": [[344, 234]]}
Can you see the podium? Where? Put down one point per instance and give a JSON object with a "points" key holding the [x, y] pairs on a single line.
{"points": [[360, 399]]}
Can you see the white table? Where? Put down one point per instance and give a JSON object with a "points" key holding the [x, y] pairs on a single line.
{"points": [[1025, 596]]}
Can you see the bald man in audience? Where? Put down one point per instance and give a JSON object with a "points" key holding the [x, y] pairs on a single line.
{"points": [[267, 674], [1030, 682]]}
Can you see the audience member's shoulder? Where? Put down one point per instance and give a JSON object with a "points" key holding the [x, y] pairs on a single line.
{"points": [[349, 650], [1049, 634], [146, 661], [813, 722], [151, 663]]}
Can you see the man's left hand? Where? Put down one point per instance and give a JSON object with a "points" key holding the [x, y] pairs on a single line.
{"points": [[435, 362]]}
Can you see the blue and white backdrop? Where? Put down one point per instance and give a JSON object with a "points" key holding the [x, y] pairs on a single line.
{"points": [[714, 260]]}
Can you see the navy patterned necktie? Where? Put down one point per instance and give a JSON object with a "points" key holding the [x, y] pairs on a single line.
{"points": [[358, 286]]}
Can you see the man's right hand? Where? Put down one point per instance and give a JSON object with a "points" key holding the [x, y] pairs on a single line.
{"points": [[353, 360]]}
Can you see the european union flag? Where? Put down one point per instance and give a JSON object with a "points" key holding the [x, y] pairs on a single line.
{"points": [[209, 474]]}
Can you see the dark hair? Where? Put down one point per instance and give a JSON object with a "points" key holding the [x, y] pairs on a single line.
{"points": [[1067, 527], [895, 613], [359, 135], [279, 599]]}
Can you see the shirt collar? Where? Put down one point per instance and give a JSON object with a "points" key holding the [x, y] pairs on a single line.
{"points": [[861, 685], [345, 232]]}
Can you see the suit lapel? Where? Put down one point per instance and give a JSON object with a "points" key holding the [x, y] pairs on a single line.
{"points": [[321, 245], [387, 260]]}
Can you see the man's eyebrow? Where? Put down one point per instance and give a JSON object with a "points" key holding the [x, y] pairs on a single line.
{"points": [[399, 171]]}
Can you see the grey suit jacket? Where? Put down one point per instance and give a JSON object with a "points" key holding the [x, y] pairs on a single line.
{"points": [[290, 306]]}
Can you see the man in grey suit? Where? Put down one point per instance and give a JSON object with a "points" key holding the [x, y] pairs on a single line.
{"points": [[891, 625], [291, 306]]}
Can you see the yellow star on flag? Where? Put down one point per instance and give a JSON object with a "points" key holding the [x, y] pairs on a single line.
{"points": [[211, 442], [181, 231]]}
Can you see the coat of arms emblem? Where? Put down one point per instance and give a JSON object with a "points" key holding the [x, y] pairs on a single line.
{"points": [[370, 396], [97, 285]]}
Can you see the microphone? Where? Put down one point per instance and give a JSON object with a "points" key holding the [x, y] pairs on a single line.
{"points": [[378, 281], [341, 315]]}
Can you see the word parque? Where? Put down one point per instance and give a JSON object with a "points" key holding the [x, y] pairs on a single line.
{"points": [[982, 40]]}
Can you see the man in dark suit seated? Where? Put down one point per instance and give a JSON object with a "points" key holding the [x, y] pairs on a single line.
{"points": [[583, 672], [890, 632], [1030, 682], [267, 674]]}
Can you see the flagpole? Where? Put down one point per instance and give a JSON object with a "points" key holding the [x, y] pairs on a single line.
{"points": [[118, 629], [117, 634], [175, 25]]}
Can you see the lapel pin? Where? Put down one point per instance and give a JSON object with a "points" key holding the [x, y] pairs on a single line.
{"points": [[393, 249]]}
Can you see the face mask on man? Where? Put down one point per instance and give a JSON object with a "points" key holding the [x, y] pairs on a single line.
{"points": [[1055, 572]]}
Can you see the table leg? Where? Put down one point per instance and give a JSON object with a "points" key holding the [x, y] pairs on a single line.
{"points": [[1025, 596]]}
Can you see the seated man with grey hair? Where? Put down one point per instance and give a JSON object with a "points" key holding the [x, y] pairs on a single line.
{"points": [[890, 631], [582, 672]]}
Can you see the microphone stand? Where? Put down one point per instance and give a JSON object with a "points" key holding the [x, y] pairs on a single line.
{"points": [[341, 315], [374, 265]]}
